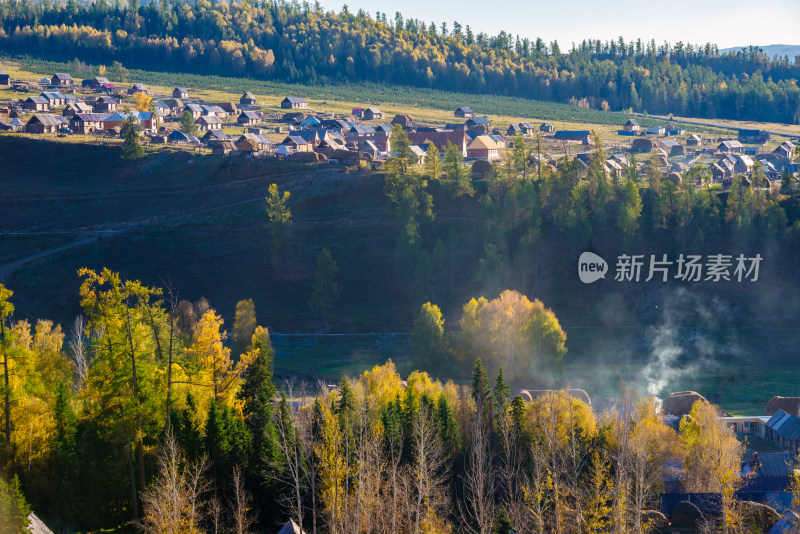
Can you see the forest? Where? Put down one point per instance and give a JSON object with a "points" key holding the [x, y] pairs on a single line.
{"points": [[294, 42], [168, 425]]}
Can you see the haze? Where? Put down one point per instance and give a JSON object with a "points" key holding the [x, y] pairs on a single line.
{"points": [[724, 22]]}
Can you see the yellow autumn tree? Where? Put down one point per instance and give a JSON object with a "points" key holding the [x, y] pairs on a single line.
{"points": [[713, 457], [521, 336], [143, 102], [212, 373]]}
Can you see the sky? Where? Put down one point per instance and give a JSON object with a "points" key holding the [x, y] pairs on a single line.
{"points": [[727, 23]]}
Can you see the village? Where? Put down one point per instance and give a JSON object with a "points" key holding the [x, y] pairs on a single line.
{"points": [[97, 109]]}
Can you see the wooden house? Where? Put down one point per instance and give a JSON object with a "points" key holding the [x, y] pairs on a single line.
{"points": [[513, 129], [694, 140], [372, 114], [229, 107], [293, 102], [754, 137], [403, 120], [248, 99], [213, 137], [5, 79], [248, 118], [546, 127], [642, 145], [55, 99], [42, 123], [223, 148], [36, 103], [208, 122], [479, 124], [180, 92], [730, 146], [105, 104], [296, 143], [62, 79], [88, 123], [76, 107], [137, 88], [195, 109], [464, 113], [574, 136], [631, 126]]}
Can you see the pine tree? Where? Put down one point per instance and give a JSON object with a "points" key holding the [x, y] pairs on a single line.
{"points": [[188, 125], [131, 149], [326, 290]]}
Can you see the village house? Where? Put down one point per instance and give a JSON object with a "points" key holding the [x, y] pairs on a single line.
{"points": [[105, 104], [730, 146], [527, 128], [546, 127], [483, 147], [180, 92], [311, 122], [36, 103], [55, 99], [248, 118], [631, 126], [576, 136], [175, 105], [229, 107], [743, 164], [195, 109], [78, 106], [383, 140], [137, 88], [208, 122], [513, 129], [177, 136], [146, 120], [223, 148], [212, 110], [754, 137], [62, 79], [358, 134], [479, 124], [721, 171], [293, 102], [658, 131], [464, 113], [369, 148], [784, 430], [261, 143], [5, 79], [97, 82], [785, 149], [440, 139], [248, 99], [403, 120], [42, 123], [296, 144], [694, 140], [372, 114], [213, 137], [88, 123]]}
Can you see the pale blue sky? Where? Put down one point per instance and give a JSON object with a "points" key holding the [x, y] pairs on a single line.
{"points": [[725, 22]]}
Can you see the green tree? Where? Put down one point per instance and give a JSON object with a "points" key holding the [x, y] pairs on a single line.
{"points": [[244, 323], [521, 153], [280, 223], [428, 343], [326, 291], [188, 125], [433, 165], [457, 174], [406, 189], [14, 509], [131, 149]]}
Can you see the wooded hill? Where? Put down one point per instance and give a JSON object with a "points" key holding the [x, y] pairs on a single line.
{"points": [[299, 43]]}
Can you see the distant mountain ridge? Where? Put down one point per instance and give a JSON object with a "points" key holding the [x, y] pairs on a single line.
{"points": [[770, 50]]}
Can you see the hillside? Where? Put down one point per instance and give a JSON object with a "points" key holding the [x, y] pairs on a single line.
{"points": [[770, 50], [198, 222], [288, 43]]}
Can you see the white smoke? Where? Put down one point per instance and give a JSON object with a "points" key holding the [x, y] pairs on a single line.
{"points": [[680, 346]]}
